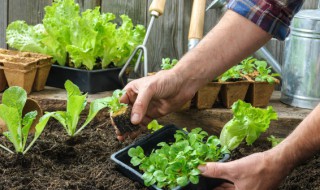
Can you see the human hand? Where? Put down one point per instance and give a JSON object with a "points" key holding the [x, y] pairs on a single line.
{"points": [[154, 96], [258, 171]]}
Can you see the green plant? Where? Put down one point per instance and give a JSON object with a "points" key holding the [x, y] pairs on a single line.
{"points": [[76, 103], [247, 123], [248, 65], [264, 72], [234, 73], [274, 140], [13, 101], [154, 126], [168, 64], [176, 164], [91, 39]]}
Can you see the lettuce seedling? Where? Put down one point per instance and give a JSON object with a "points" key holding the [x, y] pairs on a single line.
{"points": [[247, 123], [154, 126], [120, 113], [176, 164], [233, 74], [265, 74], [13, 101], [248, 65], [168, 64], [76, 103], [274, 140]]}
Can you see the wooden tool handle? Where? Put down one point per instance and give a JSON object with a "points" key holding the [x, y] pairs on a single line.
{"points": [[197, 19], [158, 6]]}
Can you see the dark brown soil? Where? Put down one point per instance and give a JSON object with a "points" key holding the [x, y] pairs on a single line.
{"points": [[58, 162], [304, 177]]}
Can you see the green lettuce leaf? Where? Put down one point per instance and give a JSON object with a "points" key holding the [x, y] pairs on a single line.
{"points": [[23, 37], [15, 97], [12, 119], [247, 123]]}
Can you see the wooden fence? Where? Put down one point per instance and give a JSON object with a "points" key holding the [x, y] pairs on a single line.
{"points": [[169, 33]]}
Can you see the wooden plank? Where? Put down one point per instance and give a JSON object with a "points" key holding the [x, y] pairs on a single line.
{"points": [[136, 9], [169, 35], [310, 4], [3, 22], [31, 11], [88, 4]]}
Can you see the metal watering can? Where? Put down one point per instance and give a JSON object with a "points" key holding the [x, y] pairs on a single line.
{"points": [[300, 71]]}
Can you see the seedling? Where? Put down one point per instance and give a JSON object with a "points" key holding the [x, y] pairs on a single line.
{"points": [[176, 164], [233, 74], [13, 101], [274, 140], [265, 74], [120, 113], [168, 64], [76, 103], [248, 65], [154, 126]]}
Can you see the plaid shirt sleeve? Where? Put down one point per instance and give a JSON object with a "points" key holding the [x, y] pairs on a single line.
{"points": [[273, 16]]}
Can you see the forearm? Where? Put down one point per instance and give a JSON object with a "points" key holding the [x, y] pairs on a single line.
{"points": [[230, 41], [302, 143]]}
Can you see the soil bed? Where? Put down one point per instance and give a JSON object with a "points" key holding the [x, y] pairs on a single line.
{"points": [[56, 162]]}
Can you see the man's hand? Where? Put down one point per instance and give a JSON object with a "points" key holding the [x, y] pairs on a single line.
{"points": [[259, 171], [153, 97]]}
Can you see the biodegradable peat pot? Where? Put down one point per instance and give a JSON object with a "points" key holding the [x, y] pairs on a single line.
{"points": [[20, 71], [43, 69], [88, 81], [259, 93], [3, 80], [43, 65], [231, 92], [148, 143], [207, 95], [186, 106]]}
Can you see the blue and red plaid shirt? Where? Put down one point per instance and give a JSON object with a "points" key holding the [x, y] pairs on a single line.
{"points": [[273, 16]]}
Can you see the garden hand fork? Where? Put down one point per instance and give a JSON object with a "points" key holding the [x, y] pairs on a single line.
{"points": [[156, 9]]}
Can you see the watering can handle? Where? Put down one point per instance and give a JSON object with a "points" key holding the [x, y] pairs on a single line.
{"points": [[157, 6], [197, 19]]}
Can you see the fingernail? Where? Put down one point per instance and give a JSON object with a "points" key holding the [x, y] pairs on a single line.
{"points": [[135, 118], [202, 168]]}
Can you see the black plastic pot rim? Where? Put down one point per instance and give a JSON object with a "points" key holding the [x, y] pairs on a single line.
{"points": [[91, 71]]}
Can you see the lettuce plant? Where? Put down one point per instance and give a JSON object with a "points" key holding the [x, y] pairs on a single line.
{"points": [[247, 123], [76, 103], [91, 39], [13, 101], [176, 164]]}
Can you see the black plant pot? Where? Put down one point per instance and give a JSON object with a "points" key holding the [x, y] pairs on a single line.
{"points": [[88, 81], [165, 134]]}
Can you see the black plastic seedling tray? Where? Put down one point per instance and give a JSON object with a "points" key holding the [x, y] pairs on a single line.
{"points": [[148, 143], [88, 81]]}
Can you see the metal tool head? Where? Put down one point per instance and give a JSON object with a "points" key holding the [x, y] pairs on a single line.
{"points": [[217, 4]]}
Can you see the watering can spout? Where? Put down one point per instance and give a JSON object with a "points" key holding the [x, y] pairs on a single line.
{"points": [[264, 54]]}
